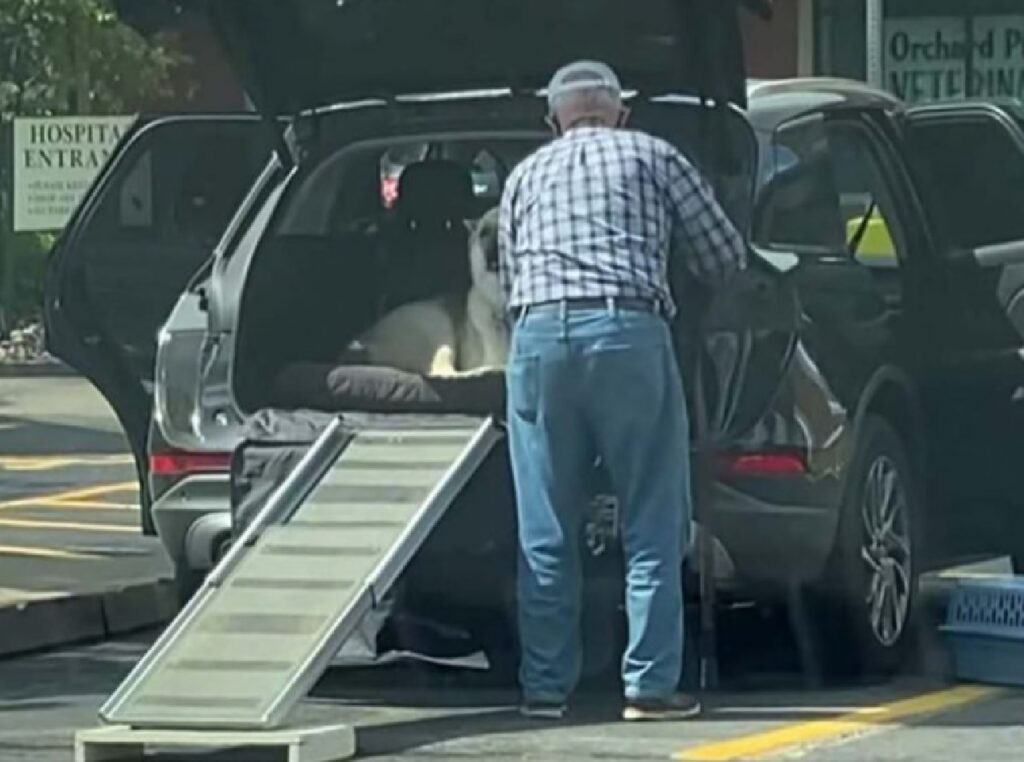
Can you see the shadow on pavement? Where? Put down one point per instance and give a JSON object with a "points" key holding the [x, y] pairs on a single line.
{"points": [[397, 737], [23, 436], [53, 679]]}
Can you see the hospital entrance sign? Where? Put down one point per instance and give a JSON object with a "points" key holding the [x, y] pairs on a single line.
{"points": [[55, 160], [948, 58]]}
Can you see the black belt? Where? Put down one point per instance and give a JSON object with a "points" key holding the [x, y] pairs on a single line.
{"points": [[596, 303]]}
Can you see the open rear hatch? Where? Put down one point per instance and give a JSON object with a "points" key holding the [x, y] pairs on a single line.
{"points": [[304, 54], [300, 55]]}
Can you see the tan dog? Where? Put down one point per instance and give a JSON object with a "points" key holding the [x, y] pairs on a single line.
{"points": [[435, 337]]}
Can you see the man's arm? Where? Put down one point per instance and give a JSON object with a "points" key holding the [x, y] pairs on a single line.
{"points": [[715, 249]]}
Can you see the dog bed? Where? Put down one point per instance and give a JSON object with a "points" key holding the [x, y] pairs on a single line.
{"points": [[375, 389]]}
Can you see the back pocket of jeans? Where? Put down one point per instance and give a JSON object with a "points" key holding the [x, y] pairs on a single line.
{"points": [[524, 386]]}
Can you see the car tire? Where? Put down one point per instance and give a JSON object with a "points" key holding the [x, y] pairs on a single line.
{"points": [[867, 602]]}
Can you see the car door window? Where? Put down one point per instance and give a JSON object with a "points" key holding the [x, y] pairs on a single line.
{"points": [[799, 205], [825, 192], [871, 232], [156, 221], [970, 169]]}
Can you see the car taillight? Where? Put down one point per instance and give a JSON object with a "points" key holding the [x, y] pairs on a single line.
{"points": [[183, 463], [761, 464], [389, 191]]}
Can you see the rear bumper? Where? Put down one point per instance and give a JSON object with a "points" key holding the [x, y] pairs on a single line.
{"points": [[776, 533], [767, 532], [192, 516]]}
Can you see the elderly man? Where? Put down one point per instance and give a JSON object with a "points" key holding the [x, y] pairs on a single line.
{"points": [[587, 225]]}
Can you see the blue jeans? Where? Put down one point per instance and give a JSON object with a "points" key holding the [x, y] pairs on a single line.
{"points": [[587, 383]]}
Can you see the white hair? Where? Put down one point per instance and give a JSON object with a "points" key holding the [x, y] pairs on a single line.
{"points": [[586, 102]]}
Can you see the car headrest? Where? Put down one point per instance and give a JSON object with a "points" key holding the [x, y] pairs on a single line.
{"points": [[435, 191]]}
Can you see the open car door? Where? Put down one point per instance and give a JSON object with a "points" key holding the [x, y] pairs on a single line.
{"points": [[968, 162], [150, 220]]}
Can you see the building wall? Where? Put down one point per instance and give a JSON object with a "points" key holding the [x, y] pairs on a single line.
{"points": [[772, 48]]}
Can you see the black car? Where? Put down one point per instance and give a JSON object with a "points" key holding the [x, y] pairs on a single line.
{"points": [[860, 385]]}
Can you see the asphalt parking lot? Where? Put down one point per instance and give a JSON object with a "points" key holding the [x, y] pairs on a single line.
{"points": [[69, 521], [69, 508], [403, 714]]}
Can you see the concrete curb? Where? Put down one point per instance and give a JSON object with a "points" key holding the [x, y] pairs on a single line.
{"points": [[37, 370], [43, 623]]}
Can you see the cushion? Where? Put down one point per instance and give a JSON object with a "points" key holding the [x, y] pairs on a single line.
{"points": [[375, 389]]}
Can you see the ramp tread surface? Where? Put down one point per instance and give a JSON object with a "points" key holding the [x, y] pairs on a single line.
{"points": [[257, 635]]}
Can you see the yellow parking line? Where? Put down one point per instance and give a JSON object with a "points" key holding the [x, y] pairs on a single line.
{"points": [[68, 525], [15, 550], [805, 734], [95, 505], [53, 462], [70, 496]]}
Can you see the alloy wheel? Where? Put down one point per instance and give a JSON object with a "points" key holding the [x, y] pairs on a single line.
{"points": [[886, 550]]}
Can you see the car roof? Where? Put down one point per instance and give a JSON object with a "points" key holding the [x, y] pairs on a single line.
{"points": [[771, 102]]}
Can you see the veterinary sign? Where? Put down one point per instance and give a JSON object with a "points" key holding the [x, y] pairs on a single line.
{"points": [[945, 58], [55, 160]]}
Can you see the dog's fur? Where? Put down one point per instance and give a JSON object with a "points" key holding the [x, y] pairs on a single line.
{"points": [[437, 337]]}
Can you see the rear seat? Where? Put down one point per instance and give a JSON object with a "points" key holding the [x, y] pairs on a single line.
{"points": [[308, 296], [427, 241]]}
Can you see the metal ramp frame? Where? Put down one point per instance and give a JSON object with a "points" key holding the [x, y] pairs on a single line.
{"points": [[322, 552]]}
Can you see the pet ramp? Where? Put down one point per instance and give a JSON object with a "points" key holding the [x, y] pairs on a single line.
{"points": [[322, 552]]}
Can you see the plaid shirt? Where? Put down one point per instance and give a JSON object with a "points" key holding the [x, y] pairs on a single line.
{"points": [[596, 212]]}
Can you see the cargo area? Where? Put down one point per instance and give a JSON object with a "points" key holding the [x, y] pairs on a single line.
{"points": [[370, 226]]}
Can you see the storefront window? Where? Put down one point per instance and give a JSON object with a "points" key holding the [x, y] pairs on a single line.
{"points": [[932, 50], [943, 51]]}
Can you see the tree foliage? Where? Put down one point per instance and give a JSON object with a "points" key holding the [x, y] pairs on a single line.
{"points": [[68, 57], [76, 57]]}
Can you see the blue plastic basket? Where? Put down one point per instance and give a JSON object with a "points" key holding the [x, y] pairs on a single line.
{"points": [[985, 629]]}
